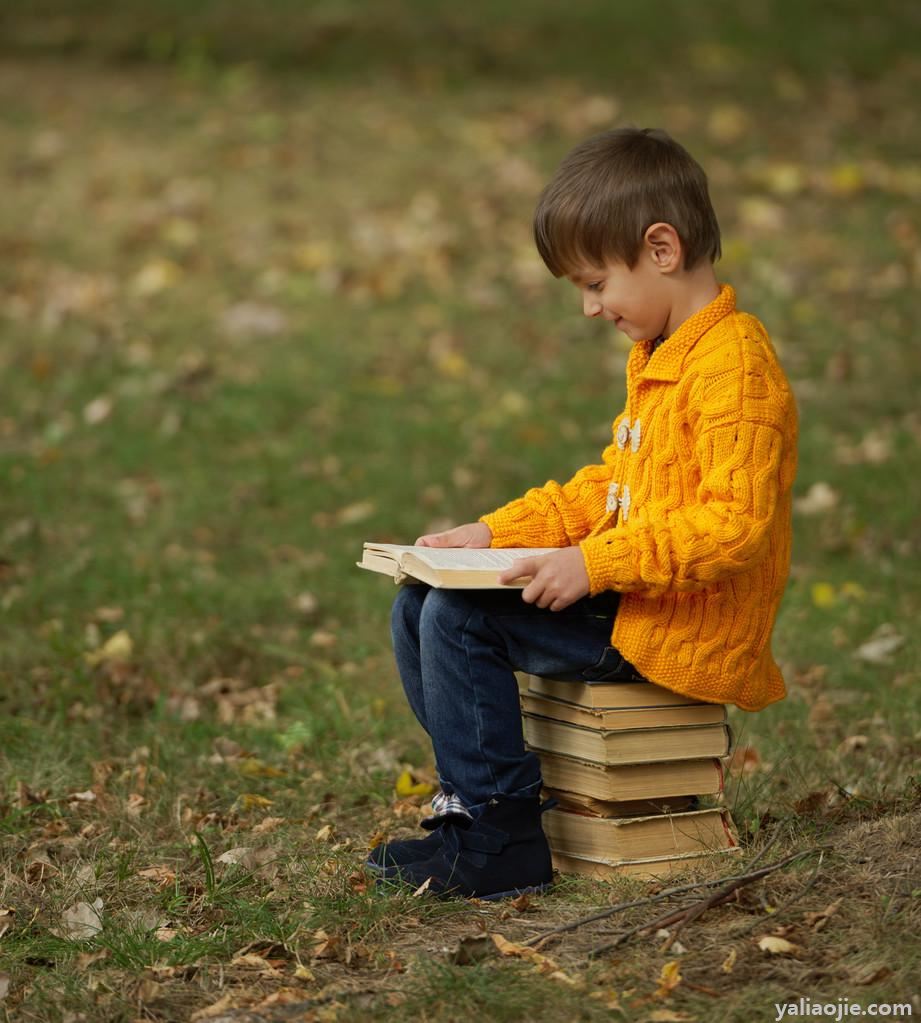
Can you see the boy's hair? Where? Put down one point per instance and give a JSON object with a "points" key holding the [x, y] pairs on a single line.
{"points": [[611, 188]]}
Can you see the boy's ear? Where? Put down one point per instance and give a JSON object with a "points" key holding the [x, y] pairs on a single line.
{"points": [[663, 246]]}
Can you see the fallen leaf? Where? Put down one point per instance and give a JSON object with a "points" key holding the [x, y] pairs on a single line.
{"points": [[881, 645], [267, 824], [744, 760], [823, 595], [818, 920], [253, 319], [852, 743], [777, 946], [669, 978], [82, 920], [155, 277], [820, 497], [253, 767], [730, 961], [471, 950], [871, 974], [250, 801], [163, 876], [668, 1016], [357, 512], [4, 985], [406, 786], [228, 1001], [235, 855], [97, 411], [117, 648]]}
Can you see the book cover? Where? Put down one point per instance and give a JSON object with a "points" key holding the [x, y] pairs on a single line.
{"points": [[627, 746], [632, 781], [618, 838], [621, 718]]}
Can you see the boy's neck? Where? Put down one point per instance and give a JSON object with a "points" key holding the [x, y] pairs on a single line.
{"points": [[692, 291]]}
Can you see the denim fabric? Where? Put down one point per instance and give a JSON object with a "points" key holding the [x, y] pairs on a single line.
{"points": [[457, 652]]}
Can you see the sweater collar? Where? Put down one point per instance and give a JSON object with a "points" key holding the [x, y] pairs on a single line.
{"points": [[666, 361]]}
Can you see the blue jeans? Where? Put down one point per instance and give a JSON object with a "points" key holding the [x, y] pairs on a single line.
{"points": [[457, 652]]}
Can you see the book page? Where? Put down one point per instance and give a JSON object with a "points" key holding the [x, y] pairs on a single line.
{"points": [[475, 558]]}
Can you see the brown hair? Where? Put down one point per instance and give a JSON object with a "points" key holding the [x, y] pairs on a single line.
{"points": [[611, 188]]}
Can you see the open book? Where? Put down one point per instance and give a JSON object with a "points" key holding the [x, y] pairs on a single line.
{"points": [[453, 568]]}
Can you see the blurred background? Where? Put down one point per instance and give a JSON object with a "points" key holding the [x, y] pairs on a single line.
{"points": [[268, 290]]}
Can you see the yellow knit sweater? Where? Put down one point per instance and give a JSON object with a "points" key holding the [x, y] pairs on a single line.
{"points": [[688, 515]]}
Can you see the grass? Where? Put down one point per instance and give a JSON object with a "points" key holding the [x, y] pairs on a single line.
{"points": [[255, 313]]}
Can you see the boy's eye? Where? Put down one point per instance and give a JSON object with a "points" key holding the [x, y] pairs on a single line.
{"points": [[594, 286]]}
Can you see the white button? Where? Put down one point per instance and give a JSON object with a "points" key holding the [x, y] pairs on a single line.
{"points": [[625, 504], [623, 434], [635, 436], [612, 502]]}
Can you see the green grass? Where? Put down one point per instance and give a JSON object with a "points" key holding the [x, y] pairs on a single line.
{"points": [[365, 176]]}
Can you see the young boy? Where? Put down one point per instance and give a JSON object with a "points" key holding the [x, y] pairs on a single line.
{"points": [[675, 548]]}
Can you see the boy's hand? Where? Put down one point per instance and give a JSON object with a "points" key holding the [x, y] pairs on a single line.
{"points": [[557, 580], [472, 534]]}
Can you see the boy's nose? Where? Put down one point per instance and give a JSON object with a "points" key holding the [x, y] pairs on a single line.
{"points": [[590, 304]]}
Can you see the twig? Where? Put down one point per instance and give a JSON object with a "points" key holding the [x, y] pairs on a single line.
{"points": [[791, 901], [648, 901], [692, 913], [765, 849]]}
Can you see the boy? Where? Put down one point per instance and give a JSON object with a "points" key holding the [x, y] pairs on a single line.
{"points": [[675, 549]]}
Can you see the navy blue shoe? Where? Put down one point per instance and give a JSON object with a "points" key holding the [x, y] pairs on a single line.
{"points": [[388, 858], [501, 854]]}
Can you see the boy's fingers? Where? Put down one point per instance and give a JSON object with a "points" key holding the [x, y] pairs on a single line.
{"points": [[522, 567]]}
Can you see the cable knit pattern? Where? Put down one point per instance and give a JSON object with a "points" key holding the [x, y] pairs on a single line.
{"points": [[688, 516]]}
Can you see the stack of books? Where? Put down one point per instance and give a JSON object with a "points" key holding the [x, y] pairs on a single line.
{"points": [[628, 763]]}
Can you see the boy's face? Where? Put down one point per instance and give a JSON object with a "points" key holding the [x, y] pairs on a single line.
{"points": [[638, 301]]}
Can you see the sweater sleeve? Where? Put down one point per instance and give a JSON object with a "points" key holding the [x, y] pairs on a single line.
{"points": [[724, 529], [554, 515]]}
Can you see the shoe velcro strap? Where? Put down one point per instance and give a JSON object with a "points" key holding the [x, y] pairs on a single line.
{"points": [[484, 838], [459, 820]]}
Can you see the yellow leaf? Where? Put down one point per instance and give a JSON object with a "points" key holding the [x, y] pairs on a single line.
{"points": [[824, 595], [406, 785], [669, 978], [543, 964], [117, 648], [855, 590], [729, 962], [250, 801], [155, 277], [777, 946], [846, 179], [727, 123], [252, 767]]}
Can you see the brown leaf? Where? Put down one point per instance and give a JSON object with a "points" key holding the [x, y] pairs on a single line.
{"points": [[81, 921], [818, 920], [871, 974], [472, 949], [745, 760], [161, 875]]}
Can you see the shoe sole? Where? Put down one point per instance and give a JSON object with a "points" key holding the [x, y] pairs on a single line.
{"points": [[393, 880]]}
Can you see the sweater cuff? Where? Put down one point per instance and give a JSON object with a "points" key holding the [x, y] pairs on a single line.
{"points": [[609, 563], [515, 525]]}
